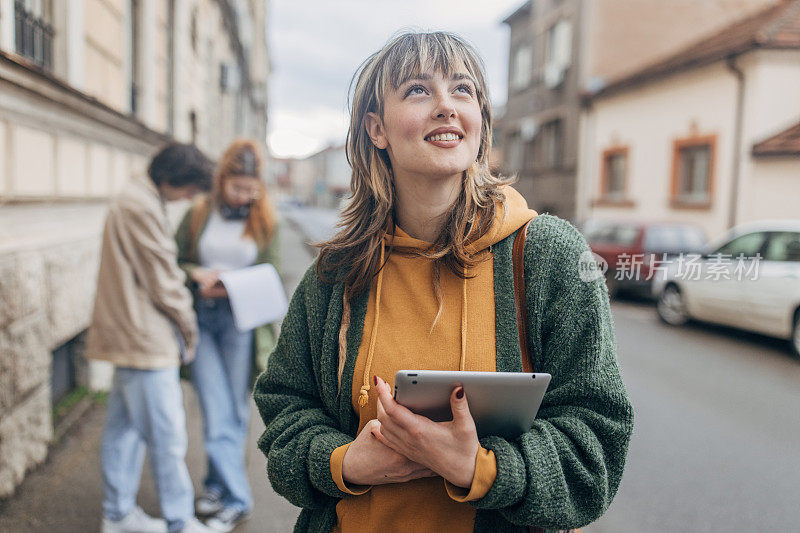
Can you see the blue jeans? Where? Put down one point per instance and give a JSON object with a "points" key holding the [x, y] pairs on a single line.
{"points": [[221, 373], [145, 410]]}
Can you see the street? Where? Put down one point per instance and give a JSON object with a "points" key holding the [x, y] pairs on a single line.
{"points": [[715, 444], [714, 447]]}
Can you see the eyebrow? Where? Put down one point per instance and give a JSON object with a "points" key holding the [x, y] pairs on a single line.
{"points": [[457, 76]]}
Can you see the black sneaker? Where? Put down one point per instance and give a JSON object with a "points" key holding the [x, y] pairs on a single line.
{"points": [[209, 503], [227, 519]]}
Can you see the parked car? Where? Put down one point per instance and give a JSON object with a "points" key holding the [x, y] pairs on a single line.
{"points": [[712, 289], [635, 251]]}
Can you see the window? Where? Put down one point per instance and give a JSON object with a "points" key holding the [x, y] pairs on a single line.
{"points": [[136, 28], [614, 173], [559, 53], [694, 169], [551, 144], [527, 133], [784, 246], [747, 245], [521, 67], [693, 172], [34, 31], [193, 30], [529, 149], [515, 152], [193, 126]]}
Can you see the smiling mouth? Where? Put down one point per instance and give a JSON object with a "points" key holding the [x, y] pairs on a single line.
{"points": [[444, 137]]}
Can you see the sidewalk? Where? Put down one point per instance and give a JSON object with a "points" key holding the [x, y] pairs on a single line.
{"points": [[65, 494]]}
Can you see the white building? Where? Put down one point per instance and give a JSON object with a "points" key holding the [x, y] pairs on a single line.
{"points": [[320, 179], [684, 138], [89, 90]]}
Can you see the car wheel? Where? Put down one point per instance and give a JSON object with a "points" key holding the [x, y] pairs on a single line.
{"points": [[671, 307], [796, 335]]}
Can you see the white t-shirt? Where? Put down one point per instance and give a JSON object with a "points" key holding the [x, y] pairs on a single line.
{"points": [[222, 246]]}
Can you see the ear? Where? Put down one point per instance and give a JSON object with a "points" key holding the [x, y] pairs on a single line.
{"points": [[374, 127]]}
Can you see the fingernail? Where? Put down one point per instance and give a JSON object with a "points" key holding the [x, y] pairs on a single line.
{"points": [[460, 393], [375, 379]]}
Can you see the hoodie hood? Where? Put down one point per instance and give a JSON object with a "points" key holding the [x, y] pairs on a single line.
{"points": [[507, 220]]}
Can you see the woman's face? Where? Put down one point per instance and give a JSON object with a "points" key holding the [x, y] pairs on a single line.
{"points": [[240, 190], [431, 125]]}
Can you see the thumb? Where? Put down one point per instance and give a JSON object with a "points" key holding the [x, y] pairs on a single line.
{"points": [[459, 405]]}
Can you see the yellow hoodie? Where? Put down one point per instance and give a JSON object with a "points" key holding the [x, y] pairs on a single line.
{"points": [[397, 335]]}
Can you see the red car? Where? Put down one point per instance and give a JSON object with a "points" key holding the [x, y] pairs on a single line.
{"points": [[636, 252]]}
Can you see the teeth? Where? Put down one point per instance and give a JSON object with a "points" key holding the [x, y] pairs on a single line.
{"points": [[444, 137]]}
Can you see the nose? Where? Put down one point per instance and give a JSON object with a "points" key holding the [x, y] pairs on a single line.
{"points": [[444, 108]]}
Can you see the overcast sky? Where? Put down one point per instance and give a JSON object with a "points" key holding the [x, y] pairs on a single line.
{"points": [[316, 46]]}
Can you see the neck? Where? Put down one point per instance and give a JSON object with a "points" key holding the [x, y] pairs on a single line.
{"points": [[422, 202]]}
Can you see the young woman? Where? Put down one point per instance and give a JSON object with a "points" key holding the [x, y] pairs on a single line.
{"points": [[232, 228], [420, 277]]}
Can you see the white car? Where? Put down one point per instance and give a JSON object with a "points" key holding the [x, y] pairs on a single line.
{"points": [[748, 279]]}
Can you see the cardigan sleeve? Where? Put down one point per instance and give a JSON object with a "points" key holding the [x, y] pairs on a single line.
{"points": [[300, 434], [564, 472], [271, 251], [183, 237]]}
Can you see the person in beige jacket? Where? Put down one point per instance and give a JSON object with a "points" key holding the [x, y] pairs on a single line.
{"points": [[143, 322]]}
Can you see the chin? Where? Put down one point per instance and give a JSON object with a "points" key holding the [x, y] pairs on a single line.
{"points": [[443, 169]]}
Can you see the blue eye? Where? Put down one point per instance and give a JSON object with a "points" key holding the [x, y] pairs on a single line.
{"points": [[465, 87], [414, 88]]}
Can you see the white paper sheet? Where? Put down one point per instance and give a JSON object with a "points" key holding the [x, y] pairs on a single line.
{"points": [[256, 295]]}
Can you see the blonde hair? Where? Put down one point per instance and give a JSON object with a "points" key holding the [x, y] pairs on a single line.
{"points": [[353, 254]]}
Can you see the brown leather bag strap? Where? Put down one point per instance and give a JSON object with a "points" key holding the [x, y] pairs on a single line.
{"points": [[520, 304], [520, 301]]}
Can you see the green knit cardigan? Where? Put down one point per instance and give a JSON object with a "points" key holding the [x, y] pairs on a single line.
{"points": [[563, 473]]}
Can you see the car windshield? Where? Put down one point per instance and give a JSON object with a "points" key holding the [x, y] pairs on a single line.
{"points": [[674, 239], [747, 245], [783, 246], [618, 234]]}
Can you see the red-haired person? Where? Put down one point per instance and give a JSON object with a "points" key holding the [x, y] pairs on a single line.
{"points": [[232, 228]]}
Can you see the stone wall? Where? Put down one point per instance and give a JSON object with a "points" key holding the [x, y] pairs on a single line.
{"points": [[47, 286], [47, 300]]}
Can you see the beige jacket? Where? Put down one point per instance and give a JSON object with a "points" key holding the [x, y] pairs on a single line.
{"points": [[141, 296]]}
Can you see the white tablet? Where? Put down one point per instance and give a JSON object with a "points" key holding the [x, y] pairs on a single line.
{"points": [[501, 403]]}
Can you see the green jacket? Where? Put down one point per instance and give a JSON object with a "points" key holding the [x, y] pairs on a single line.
{"points": [[188, 235], [563, 473]]}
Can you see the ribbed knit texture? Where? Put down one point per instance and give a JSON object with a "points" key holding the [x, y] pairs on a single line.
{"points": [[563, 473]]}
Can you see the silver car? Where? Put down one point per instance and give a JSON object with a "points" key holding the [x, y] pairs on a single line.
{"points": [[748, 279]]}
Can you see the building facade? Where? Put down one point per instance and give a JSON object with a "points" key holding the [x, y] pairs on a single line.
{"points": [[707, 135], [89, 90], [321, 179], [561, 48]]}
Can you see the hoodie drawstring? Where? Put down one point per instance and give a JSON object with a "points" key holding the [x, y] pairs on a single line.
{"points": [[363, 394], [463, 360]]}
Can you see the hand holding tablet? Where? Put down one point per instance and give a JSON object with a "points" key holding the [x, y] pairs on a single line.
{"points": [[501, 403]]}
